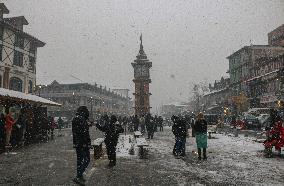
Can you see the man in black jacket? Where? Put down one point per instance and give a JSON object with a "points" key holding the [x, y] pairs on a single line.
{"points": [[81, 142], [135, 121], [179, 129], [149, 121], [111, 130]]}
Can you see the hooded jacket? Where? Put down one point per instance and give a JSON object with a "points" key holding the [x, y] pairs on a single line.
{"points": [[80, 130], [179, 128], [111, 130]]}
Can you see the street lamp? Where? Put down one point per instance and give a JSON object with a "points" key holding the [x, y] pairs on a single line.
{"points": [[39, 89], [92, 108]]}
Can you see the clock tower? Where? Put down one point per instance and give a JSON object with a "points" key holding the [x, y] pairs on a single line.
{"points": [[142, 80]]}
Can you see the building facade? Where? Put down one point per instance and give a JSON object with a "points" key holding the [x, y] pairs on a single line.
{"points": [[214, 101], [124, 92], [99, 100], [175, 108], [142, 81], [276, 37], [242, 64], [266, 84], [18, 54]]}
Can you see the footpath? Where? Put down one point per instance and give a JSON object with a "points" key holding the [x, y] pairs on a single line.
{"points": [[231, 161]]}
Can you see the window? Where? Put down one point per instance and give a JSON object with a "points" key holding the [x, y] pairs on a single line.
{"points": [[1, 47], [18, 58], [16, 84], [1, 38], [32, 64], [19, 41], [32, 47], [0, 81], [1, 32], [30, 87]]}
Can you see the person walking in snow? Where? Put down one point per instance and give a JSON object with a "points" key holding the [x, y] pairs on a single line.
{"points": [[192, 122], [142, 124], [160, 121], [135, 121], [60, 125], [156, 123], [111, 130], [200, 128], [174, 130], [179, 129], [81, 142], [149, 121]]}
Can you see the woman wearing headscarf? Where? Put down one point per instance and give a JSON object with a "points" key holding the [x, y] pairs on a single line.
{"points": [[200, 128]]}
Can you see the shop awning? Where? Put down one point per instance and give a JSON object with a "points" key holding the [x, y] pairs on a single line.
{"points": [[14, 97]]}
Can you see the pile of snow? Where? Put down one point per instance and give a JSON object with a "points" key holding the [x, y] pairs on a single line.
{"points": [[124, 145]]}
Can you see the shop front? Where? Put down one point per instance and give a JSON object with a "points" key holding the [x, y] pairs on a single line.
{"points": [[29, 115]]}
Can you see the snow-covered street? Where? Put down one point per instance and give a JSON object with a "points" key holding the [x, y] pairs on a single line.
{"points": [[231, 161]]}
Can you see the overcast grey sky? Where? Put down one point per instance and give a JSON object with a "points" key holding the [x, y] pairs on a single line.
{"points": [[187, 41]]}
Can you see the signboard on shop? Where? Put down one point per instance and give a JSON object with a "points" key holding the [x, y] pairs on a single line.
{"points": [[268, 99]]}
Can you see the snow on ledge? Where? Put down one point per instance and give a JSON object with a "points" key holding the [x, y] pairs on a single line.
{"points": [[25, 97]]}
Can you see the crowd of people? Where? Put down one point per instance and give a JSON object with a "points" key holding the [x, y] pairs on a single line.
{"points": [[29, 125], [145, 123], [112, 126]]}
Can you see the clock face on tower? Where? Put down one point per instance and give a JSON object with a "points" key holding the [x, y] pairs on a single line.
{"points": [[145, 71], [138, 71]]}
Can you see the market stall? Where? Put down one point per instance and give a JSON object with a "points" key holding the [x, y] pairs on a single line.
{"points": [[29, 113]]}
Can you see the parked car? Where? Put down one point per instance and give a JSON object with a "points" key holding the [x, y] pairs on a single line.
{"points": [[212, 121], [264, 120], [257, 111], [251, 122]]}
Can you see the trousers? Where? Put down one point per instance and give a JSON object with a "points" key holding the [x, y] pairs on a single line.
{"points": [[83, 160], [179, 148], [111, 152]]}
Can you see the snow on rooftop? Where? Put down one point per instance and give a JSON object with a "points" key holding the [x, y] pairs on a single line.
{"points": [[214, 91], [23, 96], [257, 77]]}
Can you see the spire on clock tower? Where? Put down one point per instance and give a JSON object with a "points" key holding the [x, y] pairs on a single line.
{"points": [[141, 54]]}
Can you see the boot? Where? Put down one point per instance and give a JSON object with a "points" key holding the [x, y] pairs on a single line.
{"points": [[204, 154], [79, 181], [111, 164], [199, 153]]}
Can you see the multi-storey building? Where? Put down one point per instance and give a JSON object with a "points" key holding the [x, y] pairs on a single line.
{"points": [[18, 53], [217, 98], [242, 62], [124, 92], [266, 85], [99, 100], [276, 37], [175, 108], [254, 70]]}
